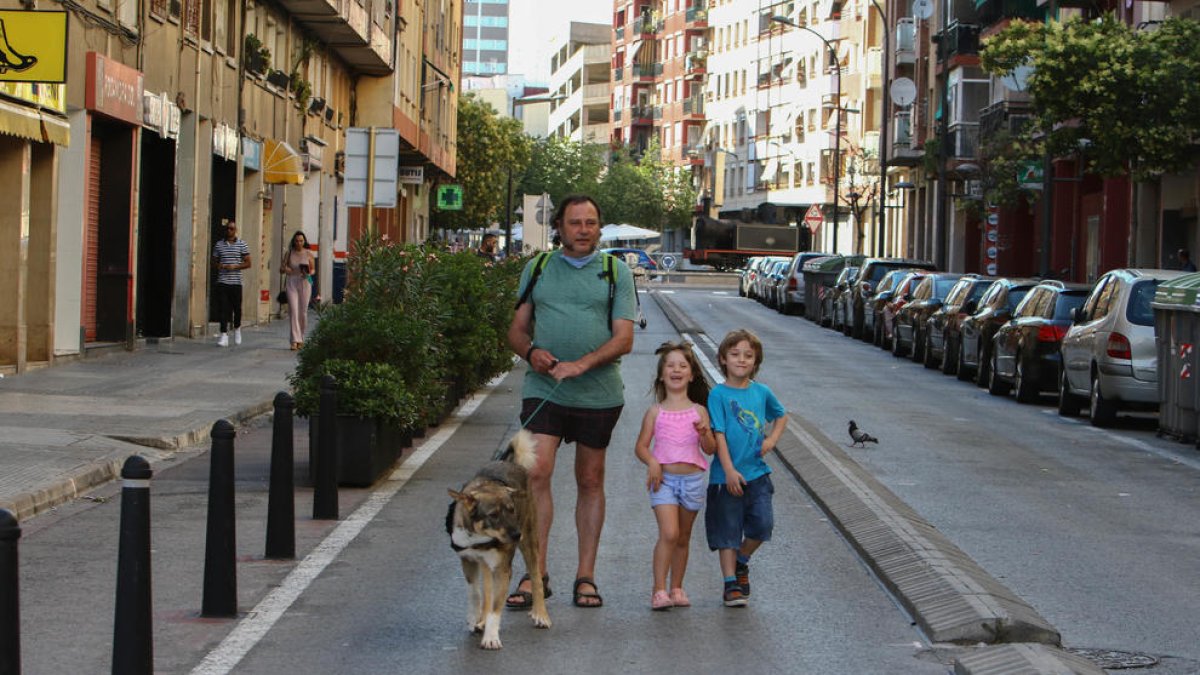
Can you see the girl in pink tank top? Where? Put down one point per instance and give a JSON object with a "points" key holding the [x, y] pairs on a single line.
{"points": [[673, 444]]}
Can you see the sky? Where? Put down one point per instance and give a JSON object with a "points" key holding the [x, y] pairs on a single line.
{"points": [[536, 25]]}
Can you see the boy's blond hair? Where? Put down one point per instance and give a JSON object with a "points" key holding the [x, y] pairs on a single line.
{"points": [[731, 340]]}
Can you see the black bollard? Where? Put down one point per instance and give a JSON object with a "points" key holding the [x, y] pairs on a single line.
{"points": [[281, 505], [10, 606], [220, 552], [325, 478], [133, 643]]}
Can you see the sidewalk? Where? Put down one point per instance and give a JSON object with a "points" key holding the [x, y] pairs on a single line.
{"points": [[68, 428]]}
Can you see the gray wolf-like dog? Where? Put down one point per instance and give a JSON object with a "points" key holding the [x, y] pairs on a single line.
{"points": [[490, 518]]}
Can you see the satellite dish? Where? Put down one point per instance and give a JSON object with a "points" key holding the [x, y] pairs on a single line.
{"points": [[1018, 78], [903, 91], [922, 9]]}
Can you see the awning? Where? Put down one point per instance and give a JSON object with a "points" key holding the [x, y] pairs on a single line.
{"points": [[281, 164], [25, 122]]}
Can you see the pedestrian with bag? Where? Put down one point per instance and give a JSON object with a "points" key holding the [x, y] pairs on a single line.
{"points": [[585, 308], [297, 268]]}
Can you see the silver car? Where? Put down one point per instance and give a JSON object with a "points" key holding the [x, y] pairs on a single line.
{"points": [[1110, 360]]}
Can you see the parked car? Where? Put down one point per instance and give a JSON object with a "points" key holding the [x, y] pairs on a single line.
{"points": [[891, 309], [751, 278], [942, 330], [1025, 351], [763, 281], [976, 332], [839, 299], [790, 293], [879, 299], [1110, 361], [745, 275], [872, 271], [909, 325]]}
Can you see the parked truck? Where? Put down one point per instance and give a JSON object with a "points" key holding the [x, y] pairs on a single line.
{"points": [[726, 244]]}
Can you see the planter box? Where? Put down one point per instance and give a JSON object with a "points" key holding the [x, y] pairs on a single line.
{"points": [[366, 448]]}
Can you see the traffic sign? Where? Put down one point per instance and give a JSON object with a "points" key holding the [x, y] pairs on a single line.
{"points": [[376, 161], [668, 262], [813, 218]]}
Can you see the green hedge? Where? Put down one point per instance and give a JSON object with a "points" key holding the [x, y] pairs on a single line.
{"points": [[418, 325]]}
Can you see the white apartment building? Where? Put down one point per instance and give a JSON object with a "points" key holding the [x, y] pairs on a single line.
{"points": [[581, 84], [771, 96]]}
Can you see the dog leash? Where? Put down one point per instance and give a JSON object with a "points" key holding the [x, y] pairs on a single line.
{"points": [[503, 453]]}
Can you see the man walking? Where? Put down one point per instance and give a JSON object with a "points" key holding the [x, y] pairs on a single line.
{"points": [[573, 392], [230, 257]]}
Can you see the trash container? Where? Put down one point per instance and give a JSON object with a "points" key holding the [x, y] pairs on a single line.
{"points": [[819, 274], [1177, 338], [339, 281]]}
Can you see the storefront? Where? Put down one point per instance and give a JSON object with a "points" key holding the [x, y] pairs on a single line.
{"points": [[156, 216]]}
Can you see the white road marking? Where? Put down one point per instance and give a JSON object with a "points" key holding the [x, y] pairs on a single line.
{"points": [[251, 629], [714, 373], [665, 291]]}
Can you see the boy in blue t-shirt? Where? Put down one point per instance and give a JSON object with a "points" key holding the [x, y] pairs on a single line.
{"points": [[748, 421]]}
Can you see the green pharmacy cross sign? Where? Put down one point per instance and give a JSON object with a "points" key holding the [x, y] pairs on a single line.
{"points": [[449, 198]]}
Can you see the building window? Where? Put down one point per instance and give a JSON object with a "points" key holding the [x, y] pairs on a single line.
{"points": [[486, 21], [191, 17], [486, 45]]}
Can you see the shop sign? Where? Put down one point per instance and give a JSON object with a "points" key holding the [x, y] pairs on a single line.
{"points": [[160, 114], [411, 175], [225, 142], [113, 89], [35, 46], [47, 96], [251, 154]]}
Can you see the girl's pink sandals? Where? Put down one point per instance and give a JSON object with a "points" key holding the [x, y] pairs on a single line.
{"points": [[679, 598], [660, 601]]}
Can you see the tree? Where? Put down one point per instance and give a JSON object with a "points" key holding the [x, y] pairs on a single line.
{"points": [[561, 166], [861, 179], [489, 148], [650, 193], [1132, 97]]}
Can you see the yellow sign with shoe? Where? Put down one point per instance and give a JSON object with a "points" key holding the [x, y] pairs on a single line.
{"points": [[33, 46]]}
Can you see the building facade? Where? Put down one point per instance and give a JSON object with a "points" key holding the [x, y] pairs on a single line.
{"points": [[580, 84], [178, 117], [485, 37]]}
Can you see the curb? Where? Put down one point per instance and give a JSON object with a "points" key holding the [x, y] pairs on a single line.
{"points": [[1024, 659], [952, 598], [86, 477]]}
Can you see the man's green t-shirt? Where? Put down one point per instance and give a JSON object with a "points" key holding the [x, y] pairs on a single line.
{"points": [[570, 319]]}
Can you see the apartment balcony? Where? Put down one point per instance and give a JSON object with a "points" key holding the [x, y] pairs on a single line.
{"points": [[596, 94], [346, 27], [646, 71], [696, 17], [905, 150], [643, 27], [906, 40], [1003, 117], [962, 140], [830, 30], [959, 39], [693, 106], [874, 67], [829, 91], [641, 115], [696, 63]]}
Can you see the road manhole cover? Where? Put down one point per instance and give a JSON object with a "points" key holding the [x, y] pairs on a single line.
{"points": [[1111, 659]]}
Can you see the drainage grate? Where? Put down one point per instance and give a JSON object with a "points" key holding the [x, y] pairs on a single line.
{"points": [[1111, 659]]}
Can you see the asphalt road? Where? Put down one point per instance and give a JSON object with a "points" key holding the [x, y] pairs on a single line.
{"points": [[1098, 530]]}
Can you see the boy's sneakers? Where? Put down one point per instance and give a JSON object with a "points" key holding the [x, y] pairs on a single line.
{"points": [[237, 336], [223, 341], [742, 572], [734, 596]]}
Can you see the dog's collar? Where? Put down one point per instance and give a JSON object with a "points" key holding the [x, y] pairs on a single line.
{"points": [[481, 546]]}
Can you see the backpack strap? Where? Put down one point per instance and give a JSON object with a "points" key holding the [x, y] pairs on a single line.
{"points": [[610, 272], [538, 265]]}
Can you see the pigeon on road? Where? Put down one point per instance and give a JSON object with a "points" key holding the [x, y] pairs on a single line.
{"points": [[860, 437]]}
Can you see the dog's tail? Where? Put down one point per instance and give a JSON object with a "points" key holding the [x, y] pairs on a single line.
{"points": [[524, 449]]}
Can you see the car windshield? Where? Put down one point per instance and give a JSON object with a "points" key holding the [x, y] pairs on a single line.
{"points": [[942, 286], [1140, 296], [1067, 302]]}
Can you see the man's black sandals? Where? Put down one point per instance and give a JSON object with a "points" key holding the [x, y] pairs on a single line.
{"points": [[526, 597], [587, 599]]}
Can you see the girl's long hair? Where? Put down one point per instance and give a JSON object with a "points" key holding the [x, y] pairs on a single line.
{"points": [[697, 391]]}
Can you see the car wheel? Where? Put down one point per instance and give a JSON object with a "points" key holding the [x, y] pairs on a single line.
{"points": [[982, 371], [1026, 389], [995, 385], [1102, 412], [962, 372], [928, 360], [1069, 404]]}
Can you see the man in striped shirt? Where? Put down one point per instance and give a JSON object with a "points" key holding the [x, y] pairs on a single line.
{"points": [[230, 257]]}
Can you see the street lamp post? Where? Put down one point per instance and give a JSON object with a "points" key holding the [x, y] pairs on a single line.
{"points": [[884, 100], [837, 111]]}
